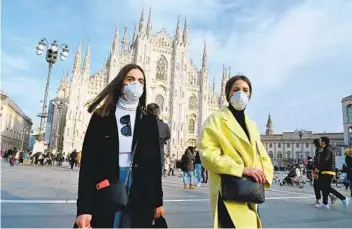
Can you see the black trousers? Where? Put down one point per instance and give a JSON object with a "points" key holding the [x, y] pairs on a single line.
{"points": [[224, 219], [325, 185], [317, 189]]}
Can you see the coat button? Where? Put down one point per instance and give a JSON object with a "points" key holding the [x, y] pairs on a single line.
{"points": [[135, 165]]}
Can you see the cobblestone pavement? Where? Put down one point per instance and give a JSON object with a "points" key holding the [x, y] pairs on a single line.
{"points": [[41, 197]]}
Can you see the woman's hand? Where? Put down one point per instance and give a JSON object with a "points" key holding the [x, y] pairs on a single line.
{"points": [[257, 174], [83, 221], [160, 211]]}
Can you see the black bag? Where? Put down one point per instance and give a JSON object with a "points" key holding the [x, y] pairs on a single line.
{"points": [[120, 191], [160, 223], [242, 189]]}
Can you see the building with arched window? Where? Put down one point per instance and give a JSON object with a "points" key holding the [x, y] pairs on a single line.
{"points": [[15, 125], [287, 147], [180, 88]]}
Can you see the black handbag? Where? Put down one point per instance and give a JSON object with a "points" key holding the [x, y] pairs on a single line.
{"points": [[119, 192], [242, 189]]}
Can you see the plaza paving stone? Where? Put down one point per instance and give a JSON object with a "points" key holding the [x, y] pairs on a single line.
{"points": [[285, 206]]}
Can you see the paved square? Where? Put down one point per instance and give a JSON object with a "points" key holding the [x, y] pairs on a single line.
{"points": [[45, 197]]}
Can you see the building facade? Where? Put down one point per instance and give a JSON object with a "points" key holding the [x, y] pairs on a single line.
{"points": [[288, 147], [347, 119], [56, 120], [15, 125], [173, 82]]}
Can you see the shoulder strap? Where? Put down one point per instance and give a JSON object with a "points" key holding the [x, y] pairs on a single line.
{"points": [[258, 152], [129, 171]]}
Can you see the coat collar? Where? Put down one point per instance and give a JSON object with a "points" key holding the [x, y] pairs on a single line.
{"points": [[234, 126]]}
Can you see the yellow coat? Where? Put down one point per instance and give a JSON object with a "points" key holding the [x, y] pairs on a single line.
{"points": [[225, 149]]}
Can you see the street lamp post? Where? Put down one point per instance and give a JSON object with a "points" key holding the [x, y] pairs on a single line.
{"points": [[24, 132], [51, 58], [300, 133], [59, 104]]}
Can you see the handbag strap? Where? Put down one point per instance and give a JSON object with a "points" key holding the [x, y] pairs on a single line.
{"points": [[129, 171], [258, 152]]}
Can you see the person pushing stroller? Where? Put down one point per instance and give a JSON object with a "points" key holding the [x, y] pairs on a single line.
{"points": [[293, 177]]}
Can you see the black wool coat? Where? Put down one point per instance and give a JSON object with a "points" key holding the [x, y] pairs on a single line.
{"points": [[100, 161]]}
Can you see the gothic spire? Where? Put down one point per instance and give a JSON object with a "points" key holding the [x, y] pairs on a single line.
{"points": [[269, 126], [115, 42], [213, 84], [134, 33], [149, 24], [229, 76], [86, 64], [177, 32], [205, 58], [77, 61], [224, 79], [141, 22], [185, 33], [125, 41]]}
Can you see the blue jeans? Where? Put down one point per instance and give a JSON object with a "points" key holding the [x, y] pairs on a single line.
{"points": [[198, 168], [122, 179], [188, 174]]}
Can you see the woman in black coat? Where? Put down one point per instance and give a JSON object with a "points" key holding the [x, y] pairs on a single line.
{"points": [[117, 127]]}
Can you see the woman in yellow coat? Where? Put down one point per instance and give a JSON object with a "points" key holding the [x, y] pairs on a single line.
{"points": [[228, 146]]}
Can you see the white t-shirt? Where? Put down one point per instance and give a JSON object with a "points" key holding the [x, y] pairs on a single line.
{"points": [[125, 142]]}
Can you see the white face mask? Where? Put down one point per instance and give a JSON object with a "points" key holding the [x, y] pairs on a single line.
{"points": [[131, 94], [133, 91], [239, 100]]}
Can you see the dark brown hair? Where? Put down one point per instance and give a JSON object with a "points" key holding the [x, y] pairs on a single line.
{"points": [[232, 80], [113, 91]]}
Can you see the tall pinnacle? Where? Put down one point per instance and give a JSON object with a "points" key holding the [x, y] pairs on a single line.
{"points": [[86, 64], [177, 32], [269, 126], [149, 24], [141, 22], [134, 33], [205, 58], [125, 41], [115, 42], [185, 33], [77, 61]]}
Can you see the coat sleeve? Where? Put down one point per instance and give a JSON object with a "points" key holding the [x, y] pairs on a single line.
{"points": [[158, 158], [86, 181], [267, 166], [211, 153]]}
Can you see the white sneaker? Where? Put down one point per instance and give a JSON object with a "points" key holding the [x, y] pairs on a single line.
{"points": [[322, 206], [346, 202], [199, 185]]}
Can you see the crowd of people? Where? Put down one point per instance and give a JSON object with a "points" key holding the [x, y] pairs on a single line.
{"points": [[123, 162]]}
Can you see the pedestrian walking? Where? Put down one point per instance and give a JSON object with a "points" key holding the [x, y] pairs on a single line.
{"points": [[187, 161], [198, 168], [164, 131], [348, 161], [172, 165], [230, 147], [121, 136], [326, 171]]}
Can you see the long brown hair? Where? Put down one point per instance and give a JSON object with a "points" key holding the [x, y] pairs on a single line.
{"points": [[111, 93]]}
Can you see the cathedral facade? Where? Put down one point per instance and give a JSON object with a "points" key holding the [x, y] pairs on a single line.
{"points": [[173, 81]]}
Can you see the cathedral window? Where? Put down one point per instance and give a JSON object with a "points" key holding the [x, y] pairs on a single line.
{"points": [[191, 126], [192, 103], [160, 101], [161, 69]]}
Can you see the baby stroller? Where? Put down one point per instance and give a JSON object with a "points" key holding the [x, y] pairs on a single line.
{"points": [[293, 178]]}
